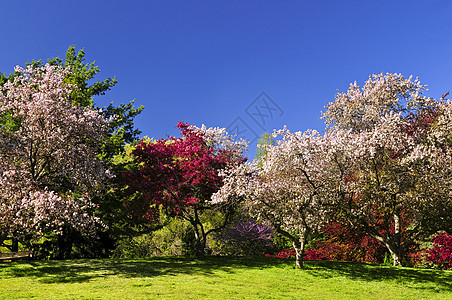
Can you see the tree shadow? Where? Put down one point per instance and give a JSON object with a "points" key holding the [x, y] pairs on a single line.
{"points": [[82, 270], [77, 271], [433, 280]]}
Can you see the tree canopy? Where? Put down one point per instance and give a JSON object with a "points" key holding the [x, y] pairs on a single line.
{"points": [[181, 174]]}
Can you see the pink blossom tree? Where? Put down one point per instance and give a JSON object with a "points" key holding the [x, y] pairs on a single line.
{"points": [[49, 168]]}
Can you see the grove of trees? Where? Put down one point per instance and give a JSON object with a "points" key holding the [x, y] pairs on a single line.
{"points": [[77, 181]]}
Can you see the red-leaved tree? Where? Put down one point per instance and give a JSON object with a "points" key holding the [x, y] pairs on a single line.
{"points": [[180, 175]]}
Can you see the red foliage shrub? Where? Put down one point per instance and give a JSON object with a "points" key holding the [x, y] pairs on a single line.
{"points": [[314, 254], [285, 254], [310, 254], [346, 243], [440, 256]]}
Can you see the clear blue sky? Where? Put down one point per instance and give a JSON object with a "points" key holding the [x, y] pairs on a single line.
{"points": [[207, 62]]}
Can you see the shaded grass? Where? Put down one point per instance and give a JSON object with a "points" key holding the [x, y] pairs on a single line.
{"points": [[216, 278]]}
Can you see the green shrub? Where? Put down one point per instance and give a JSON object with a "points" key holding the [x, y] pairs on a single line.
{"points": [[176, 238]]}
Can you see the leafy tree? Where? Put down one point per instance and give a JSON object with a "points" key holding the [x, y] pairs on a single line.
{"points": [[80, 74], [121, 132], [121, 117], [181, 174]]}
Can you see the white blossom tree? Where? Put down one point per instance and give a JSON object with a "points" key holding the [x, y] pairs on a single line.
{"points": [[48, 164], [288, 186], [393, 152]]}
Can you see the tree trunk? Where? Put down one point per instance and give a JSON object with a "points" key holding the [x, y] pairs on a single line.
{"points": [[64, 244], [200, 244], [396, 249], [200, 239], [395, 253], [299, 250], [2, 238], [14, 245], [393, 244]]}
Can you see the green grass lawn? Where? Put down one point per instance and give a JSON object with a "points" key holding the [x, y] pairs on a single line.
{"points": [[217, 278]]}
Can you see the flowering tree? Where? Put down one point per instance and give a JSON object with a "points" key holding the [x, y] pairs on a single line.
{"points": [[48, 147], [392, 148], [84, 87], [181, 174], [289, 186]]}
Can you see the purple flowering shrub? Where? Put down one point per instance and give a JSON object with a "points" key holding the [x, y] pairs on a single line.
{"points": [[247, 237], [440, 256]]}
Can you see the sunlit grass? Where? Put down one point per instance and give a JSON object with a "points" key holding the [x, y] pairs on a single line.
{"points": [[217, 278]]}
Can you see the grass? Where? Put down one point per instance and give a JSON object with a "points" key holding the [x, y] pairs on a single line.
{"points": [[217, 278]]}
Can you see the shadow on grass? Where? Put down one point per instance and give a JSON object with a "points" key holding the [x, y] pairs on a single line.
{"points": [[84, 270], [415, 278]]}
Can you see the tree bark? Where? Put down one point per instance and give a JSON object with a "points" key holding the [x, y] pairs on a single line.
{"points": [[200, 235], [2, 238], [396, 249], [393, 244], [299, 250], [14, 245], [64, 244], [200, 243]]}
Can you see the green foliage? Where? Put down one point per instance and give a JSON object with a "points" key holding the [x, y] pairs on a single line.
{"points": [[175, 238], [123, 131], [282, 242], [7, 123], [46, 248], [264, 140], [82, 73], [122, 116], [3, 78]]}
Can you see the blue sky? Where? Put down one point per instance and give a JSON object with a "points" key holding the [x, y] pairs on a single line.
{"points": [[251, 66]]}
